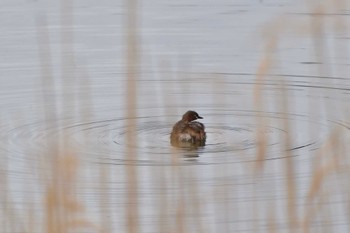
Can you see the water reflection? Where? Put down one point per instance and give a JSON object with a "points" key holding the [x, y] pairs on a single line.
{"points": [[188, 144]]}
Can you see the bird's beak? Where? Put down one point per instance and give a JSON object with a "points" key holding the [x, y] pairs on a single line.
{"points": [[199, 117]]}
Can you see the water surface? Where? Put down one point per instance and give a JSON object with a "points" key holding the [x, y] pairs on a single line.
{"points": [[63, 82]]}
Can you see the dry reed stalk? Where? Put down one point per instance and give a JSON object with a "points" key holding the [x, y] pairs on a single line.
{"points": [[131, 103], [331, 150], [177, 176], [340, 26], [4, 192], [163, 205], [341, 50], [180, 200], [263, 69], [272, 228], [319, 28], [104, 196], [289, 162], [224, 192], [329, 164], [45, 60], [8, 217], [49, 112], [162, 174], [67, 56], [181, 214], [63, 209], [194, 201]]}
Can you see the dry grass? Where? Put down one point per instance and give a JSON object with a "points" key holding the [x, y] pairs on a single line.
{"points": [[180, 201]]}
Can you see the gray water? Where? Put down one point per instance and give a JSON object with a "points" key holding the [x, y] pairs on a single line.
{"points": [[63, 78]]}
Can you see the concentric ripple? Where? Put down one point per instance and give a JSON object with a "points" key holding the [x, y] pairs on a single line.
{"points": [[232, 140], [234, 130]]}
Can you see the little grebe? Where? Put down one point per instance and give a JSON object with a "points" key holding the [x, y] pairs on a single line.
{"points": [[188, 131]]}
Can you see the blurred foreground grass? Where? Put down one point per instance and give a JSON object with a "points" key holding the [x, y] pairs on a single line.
{"points": [[61, 175]]}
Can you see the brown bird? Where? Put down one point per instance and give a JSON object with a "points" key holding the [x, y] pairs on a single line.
{"points": [[188, 131]]}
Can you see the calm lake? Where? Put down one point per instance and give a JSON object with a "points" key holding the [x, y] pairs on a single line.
{"points": [[87, 111]]}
